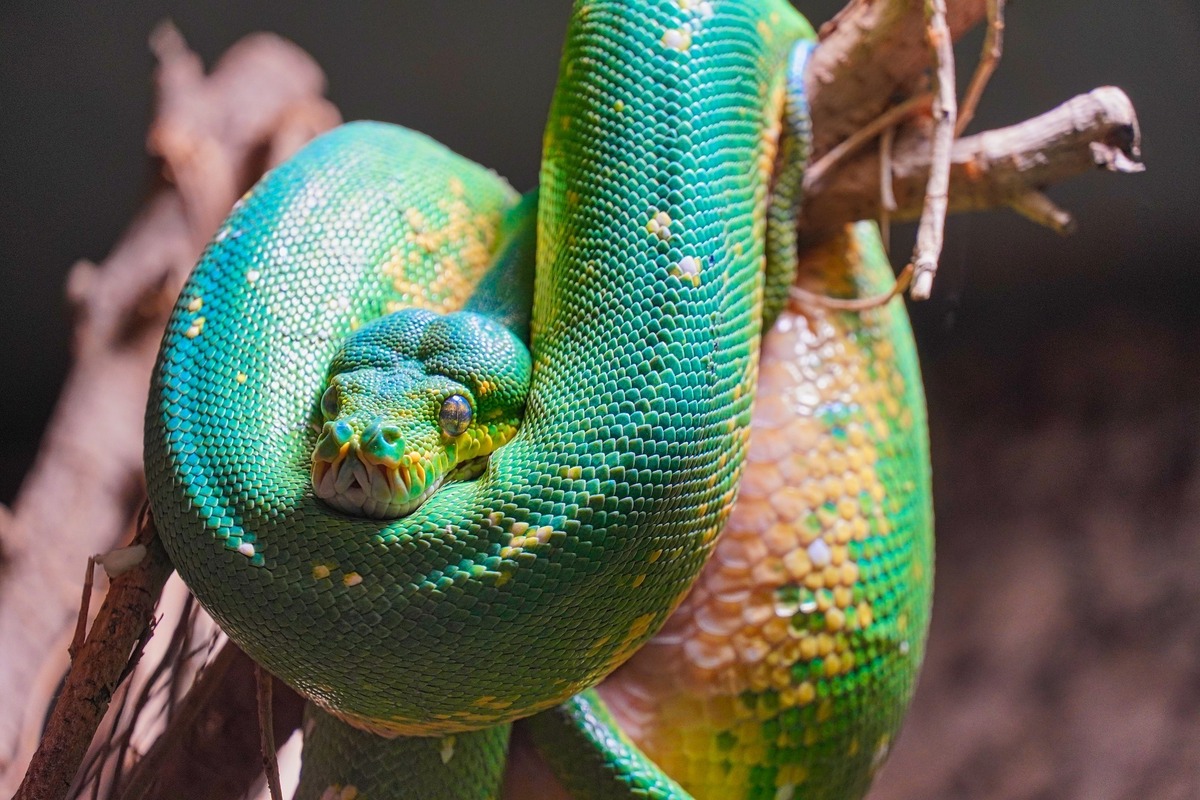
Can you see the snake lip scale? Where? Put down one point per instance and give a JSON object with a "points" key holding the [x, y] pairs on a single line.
{"points": [[360, 488], [358, 485]]}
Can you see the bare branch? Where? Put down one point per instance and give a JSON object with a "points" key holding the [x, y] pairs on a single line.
{"points": [[1036, 207], [989, 59], [887, 197], [262, 683], [101, 663], [990, 169], [85, 486], [85, 605], [932, 229], [799, 297]]}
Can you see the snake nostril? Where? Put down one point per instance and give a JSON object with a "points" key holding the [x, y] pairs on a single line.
{"points": [[333, 436], [342, 431], [390, 434]]}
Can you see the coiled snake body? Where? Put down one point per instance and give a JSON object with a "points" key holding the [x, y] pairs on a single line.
{"points": [[503, 596]]}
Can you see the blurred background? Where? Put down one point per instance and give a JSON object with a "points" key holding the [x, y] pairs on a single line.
{"points": [[1062, 373]]}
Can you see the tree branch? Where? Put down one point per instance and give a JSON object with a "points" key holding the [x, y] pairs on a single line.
{"points": [[988, 170], [870, 53], [101, 664], [989, 59], [931, 230], [213, 136]]}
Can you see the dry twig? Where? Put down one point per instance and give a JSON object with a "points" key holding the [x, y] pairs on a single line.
{"points": [[932, 227], [887, 196], [989, 59], [208, 751], [85, 606], [1037, 207], [800, 297], [149, 767], [993, 169], [102, 662], [262, 683]]}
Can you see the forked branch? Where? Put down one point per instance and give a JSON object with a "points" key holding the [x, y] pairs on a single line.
{"points": [[994, 169]]}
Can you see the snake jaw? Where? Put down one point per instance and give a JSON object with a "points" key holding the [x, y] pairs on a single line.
{"points": [[353, 482]]}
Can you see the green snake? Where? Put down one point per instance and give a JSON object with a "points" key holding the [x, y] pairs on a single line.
{"points": [[549, 552]]}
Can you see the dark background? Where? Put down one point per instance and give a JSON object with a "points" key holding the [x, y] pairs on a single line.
{"points": [[1062, 373]]}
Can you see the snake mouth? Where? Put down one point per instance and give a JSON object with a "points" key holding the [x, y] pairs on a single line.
{"points": [[354, 485]]}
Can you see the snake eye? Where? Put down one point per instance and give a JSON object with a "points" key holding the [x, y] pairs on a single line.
{"points": [[455, 415], [329, 403]]}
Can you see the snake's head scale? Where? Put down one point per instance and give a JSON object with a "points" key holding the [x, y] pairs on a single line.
{"points": [[413, 400]]}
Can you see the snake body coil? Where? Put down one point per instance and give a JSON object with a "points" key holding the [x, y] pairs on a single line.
{"points": [[786, 670], [502, 596]]}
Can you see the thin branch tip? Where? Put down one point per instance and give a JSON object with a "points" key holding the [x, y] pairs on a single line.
{"points": [[266, 727], [1040, 209], [922, 285]]}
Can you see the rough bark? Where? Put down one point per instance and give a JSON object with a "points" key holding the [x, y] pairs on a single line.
{"points": [[100, 664], [870, 53]]}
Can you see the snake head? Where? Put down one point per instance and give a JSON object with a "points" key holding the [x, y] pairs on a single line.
{"points": [[413, 400]]}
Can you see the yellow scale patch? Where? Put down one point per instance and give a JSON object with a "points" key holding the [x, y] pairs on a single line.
{"points": [[445, 251], [784, 554]]}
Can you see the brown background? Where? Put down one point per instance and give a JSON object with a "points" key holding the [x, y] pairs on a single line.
{"points": [[1063, 376]]}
